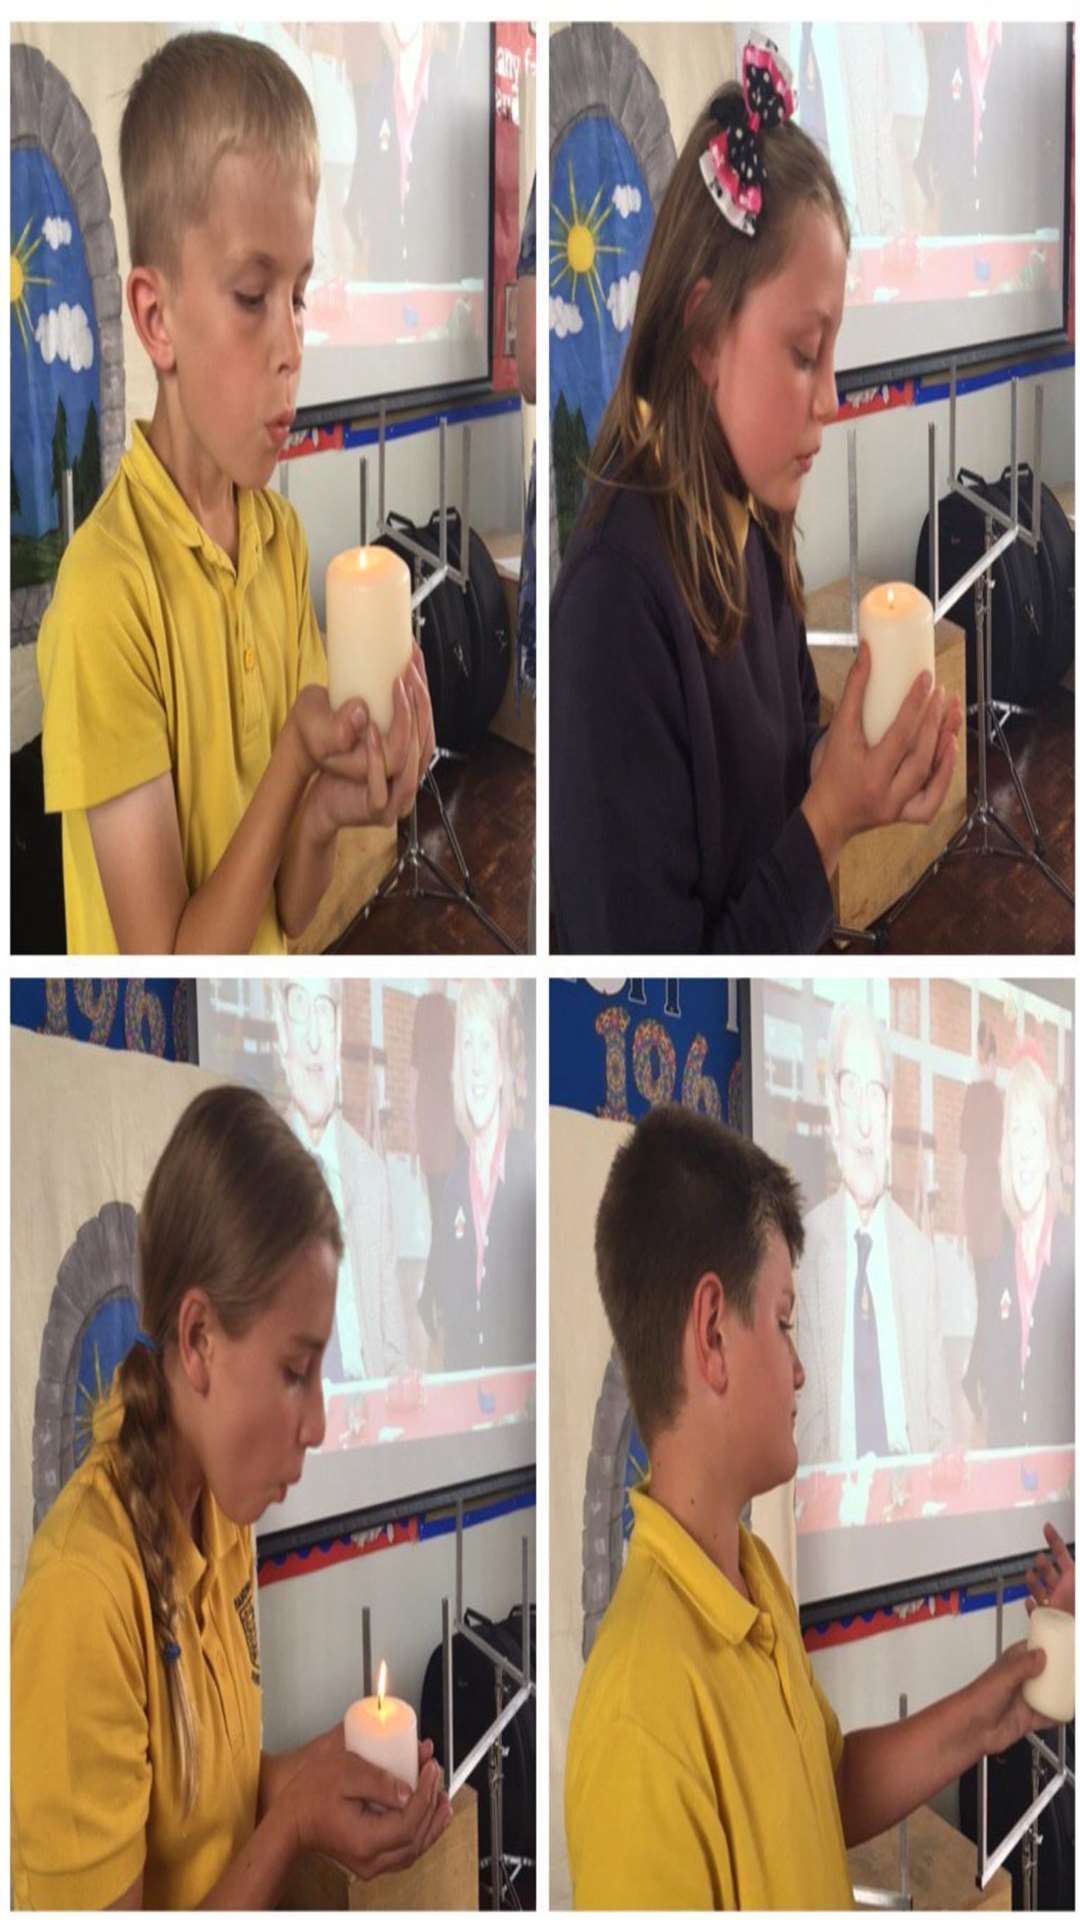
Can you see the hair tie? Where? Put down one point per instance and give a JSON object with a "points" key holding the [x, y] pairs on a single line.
{"points": [[170, 1652], [146, 1340], [732, 166]]}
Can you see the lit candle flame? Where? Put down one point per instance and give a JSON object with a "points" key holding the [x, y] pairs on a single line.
{"points": [[891, 596], [381, 1689]]}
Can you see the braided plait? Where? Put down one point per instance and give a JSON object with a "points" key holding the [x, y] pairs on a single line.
{"points": [[233, 1198], [138, 1469]]}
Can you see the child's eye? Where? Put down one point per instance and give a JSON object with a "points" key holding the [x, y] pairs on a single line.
{"points": [[802, 360], [251, 302], [294, 1379], [787, 1326], [299, 303]]}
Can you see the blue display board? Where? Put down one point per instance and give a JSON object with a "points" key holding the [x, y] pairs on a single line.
{"points": [[139, 1016], [618, 1048]]}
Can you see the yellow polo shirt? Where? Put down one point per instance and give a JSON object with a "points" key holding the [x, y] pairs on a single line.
{"points": [[702, 1753], [95, 1793], [157, 655]]}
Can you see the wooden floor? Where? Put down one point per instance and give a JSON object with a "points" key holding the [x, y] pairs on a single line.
{"points": [[490, 799], [979, 903]]}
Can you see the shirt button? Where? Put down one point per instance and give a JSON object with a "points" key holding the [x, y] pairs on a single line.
{"points": [[1023, 1417], [481, 1339], [249, 659]]}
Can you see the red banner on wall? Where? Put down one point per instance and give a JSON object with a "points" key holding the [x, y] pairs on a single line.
{"points": [[515, 57]]}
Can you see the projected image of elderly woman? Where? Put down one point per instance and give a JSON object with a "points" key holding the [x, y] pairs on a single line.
{"points": [[1029, 1376], [481, 1277]]}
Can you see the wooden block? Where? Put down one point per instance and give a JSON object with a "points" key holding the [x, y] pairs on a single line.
{"points": [[363, 857], [876, 868], [445, 1879], [941, 1868]]}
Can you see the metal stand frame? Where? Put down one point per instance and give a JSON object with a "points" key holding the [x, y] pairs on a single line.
{"points": [[1026, 1829], [504, 1867], [412, 861], [973, 834], [413, 864]]}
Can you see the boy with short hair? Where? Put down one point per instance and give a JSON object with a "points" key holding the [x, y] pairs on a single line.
{"points": [[188, 738], [705, 1766]]}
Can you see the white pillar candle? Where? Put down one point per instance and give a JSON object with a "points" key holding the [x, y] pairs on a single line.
{"points": [[383, 1730], [1052, 1693], [368, 628], [897, 623]]}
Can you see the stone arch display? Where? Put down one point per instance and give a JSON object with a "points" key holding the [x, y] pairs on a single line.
{"points": [[46, 116]]}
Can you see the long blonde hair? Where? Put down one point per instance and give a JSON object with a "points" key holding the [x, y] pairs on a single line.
{"points": [[674, 449], [233, 1197]]}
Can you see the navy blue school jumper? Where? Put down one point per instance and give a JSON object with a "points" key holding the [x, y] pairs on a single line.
{"points": [[676, 774]]}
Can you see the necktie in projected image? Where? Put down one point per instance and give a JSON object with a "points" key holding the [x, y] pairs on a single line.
{"points": [[869, 1398]]}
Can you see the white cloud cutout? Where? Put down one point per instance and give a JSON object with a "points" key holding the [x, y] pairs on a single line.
{"points": [[64, 333], [622, 299], [57, 232], [627, 200], [563, 317]]}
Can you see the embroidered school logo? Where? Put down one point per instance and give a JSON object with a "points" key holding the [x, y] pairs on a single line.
{"points": [[245, 1607]]}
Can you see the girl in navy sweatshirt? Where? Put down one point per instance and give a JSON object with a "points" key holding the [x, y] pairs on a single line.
{"points": [[697, 803]]}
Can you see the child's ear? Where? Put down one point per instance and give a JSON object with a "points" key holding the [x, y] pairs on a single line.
{"points": [[146, 297], [196, 1330], [702, 357], [707, 1333]]}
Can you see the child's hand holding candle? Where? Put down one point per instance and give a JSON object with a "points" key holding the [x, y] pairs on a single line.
{"points": [[897, 623], [383, 1730], [368, 629]]}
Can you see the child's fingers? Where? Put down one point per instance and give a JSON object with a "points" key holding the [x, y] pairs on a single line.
{"points": [[425, 719], [899, 741], [405, 781], [1062, 1556], [924, 805], [377, 782], [397, 741]]}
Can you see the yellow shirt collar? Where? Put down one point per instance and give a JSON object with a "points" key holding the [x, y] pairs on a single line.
{"points": [[658, 1533], [739, 511], [219, 1535], [255, 518]]}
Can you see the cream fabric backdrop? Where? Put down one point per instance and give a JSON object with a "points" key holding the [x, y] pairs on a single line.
{"points": [[87, 1126]]}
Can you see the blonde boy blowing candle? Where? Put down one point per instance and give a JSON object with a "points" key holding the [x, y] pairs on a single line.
{"points": [[188, 740]]}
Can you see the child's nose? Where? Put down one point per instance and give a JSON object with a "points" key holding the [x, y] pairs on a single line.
{"points": [[826, 398], [292, 340]]}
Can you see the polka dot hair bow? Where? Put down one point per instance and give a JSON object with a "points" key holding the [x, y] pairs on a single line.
{"points": [[731, 165]]}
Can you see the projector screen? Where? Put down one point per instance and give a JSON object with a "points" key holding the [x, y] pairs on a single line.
{"points": [[930, 1126], [949, 144], [417, 1098], [399, 299]]}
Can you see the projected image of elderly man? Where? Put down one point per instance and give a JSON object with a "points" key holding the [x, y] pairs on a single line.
{"points": [[870, 1323], [368, 1340]]}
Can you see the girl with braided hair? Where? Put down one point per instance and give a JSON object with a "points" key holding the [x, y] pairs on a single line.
{"points": [[697, 804], [150, 1788]]}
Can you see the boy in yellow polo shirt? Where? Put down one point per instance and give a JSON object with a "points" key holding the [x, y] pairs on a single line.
{"points": [[188, 740], [705, 1766]]}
